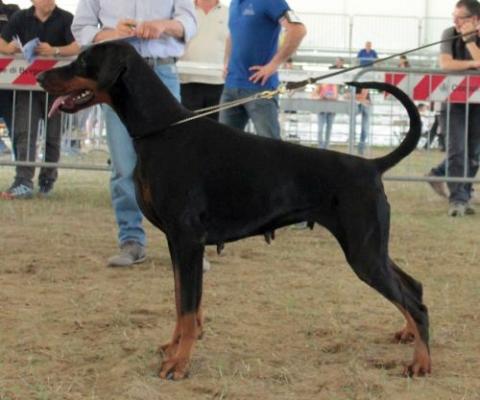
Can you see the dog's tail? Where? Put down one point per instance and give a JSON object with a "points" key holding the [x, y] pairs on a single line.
{"points": [[412, 137]]}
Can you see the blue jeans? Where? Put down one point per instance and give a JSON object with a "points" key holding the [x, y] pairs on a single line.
{"points": [[365, 112], [325, 120], [124, 159], [263, 113], [457, 146]]}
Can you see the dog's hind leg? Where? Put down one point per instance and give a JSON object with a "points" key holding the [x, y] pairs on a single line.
{"points": [[363, 235], [380, 276], [407, 334], [187, 260]]}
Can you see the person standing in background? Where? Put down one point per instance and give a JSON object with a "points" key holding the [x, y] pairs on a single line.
{"points": [[158, 30], [253, 58], [463, 142], [208, 46], [51, 25], [6, 96], [367, 54], [325, 119]]}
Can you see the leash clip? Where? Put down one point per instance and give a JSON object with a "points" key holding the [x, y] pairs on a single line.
{"points": [[268, 94]]}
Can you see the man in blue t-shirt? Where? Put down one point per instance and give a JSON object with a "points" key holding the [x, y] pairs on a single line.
{"points": [[367, 55], [253, 56]]}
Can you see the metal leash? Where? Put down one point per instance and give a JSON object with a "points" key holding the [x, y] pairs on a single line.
{"points": [[290, 87]]}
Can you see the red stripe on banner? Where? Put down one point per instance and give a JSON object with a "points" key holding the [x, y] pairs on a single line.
{"points": [[4, 63], [426, 86], [394, 79], [28, 77], [462, 92]]}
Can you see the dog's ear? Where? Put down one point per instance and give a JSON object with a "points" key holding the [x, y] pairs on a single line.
{"points": [[109, 74], [112, 67]]}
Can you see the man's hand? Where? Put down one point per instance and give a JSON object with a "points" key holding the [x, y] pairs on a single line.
{"points": [[151, 29], [263, 72], [11, 48], [468, 26], [126, 28], [44, 49]]}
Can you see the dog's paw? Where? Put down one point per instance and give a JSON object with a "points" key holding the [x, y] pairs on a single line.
{"points": [[417, 369], [420, 366], [174, 368]]}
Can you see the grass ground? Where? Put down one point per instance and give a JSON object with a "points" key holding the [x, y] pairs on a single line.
{"points": [[285, 321]]}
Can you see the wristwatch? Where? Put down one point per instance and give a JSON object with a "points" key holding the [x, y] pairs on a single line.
{"points": [[57, 51]]}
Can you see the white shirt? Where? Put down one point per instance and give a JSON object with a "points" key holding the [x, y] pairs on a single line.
{"points": [[208, 46]]}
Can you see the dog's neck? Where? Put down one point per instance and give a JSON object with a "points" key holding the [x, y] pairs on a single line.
{"points": [[144, 103]]}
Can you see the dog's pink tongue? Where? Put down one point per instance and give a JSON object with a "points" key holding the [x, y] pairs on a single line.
{"points": [[56, 105]]}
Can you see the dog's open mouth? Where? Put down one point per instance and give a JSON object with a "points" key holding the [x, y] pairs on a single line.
{"points": [[72, 102]]}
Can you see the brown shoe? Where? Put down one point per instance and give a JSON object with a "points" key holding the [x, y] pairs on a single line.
{"points": [[438, 187]]}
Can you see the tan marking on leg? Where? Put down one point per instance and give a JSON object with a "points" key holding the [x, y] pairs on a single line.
{"points": [[177, 366], [170, 348], [407, 334], [422, 363]]}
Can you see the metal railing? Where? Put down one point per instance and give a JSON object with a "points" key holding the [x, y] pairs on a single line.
{"points": [[388, 124]]}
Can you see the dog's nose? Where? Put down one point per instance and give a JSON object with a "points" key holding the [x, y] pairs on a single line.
{"points": [[41, 78]]}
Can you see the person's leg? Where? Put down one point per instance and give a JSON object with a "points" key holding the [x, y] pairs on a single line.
{"points": [[365, 127], [473, 146], [6, 98], [328, 130], [321, 120], [6, 114], [459, 194], [24, 139], [189, 93], [432, 133], [264, 115], [235, 117], [48, 176], [212, 94], [27, 115], [123, 159]]}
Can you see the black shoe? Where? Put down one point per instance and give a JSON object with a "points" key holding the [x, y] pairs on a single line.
{"points": [[45, 187]]}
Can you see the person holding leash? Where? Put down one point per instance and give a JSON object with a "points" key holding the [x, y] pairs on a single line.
{"points": [[253, 57], [159, 31]]}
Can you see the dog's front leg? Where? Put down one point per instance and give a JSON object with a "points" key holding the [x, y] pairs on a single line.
{"points": [[170, 348], [187, 262]]}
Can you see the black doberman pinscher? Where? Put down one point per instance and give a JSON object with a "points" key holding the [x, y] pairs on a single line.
{"points": [[204, 183]]}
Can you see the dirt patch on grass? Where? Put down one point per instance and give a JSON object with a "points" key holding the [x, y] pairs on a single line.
{"points": [[285, 321]]}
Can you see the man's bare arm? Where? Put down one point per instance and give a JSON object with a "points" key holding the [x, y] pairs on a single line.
{"points": [[294, 33]]}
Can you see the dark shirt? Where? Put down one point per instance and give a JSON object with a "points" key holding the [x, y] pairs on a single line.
{"points": [[456, 47], [6, 11], [55, 30]]}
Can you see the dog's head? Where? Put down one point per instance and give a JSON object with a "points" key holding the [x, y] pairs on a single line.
{"points": [[90, 78]]}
